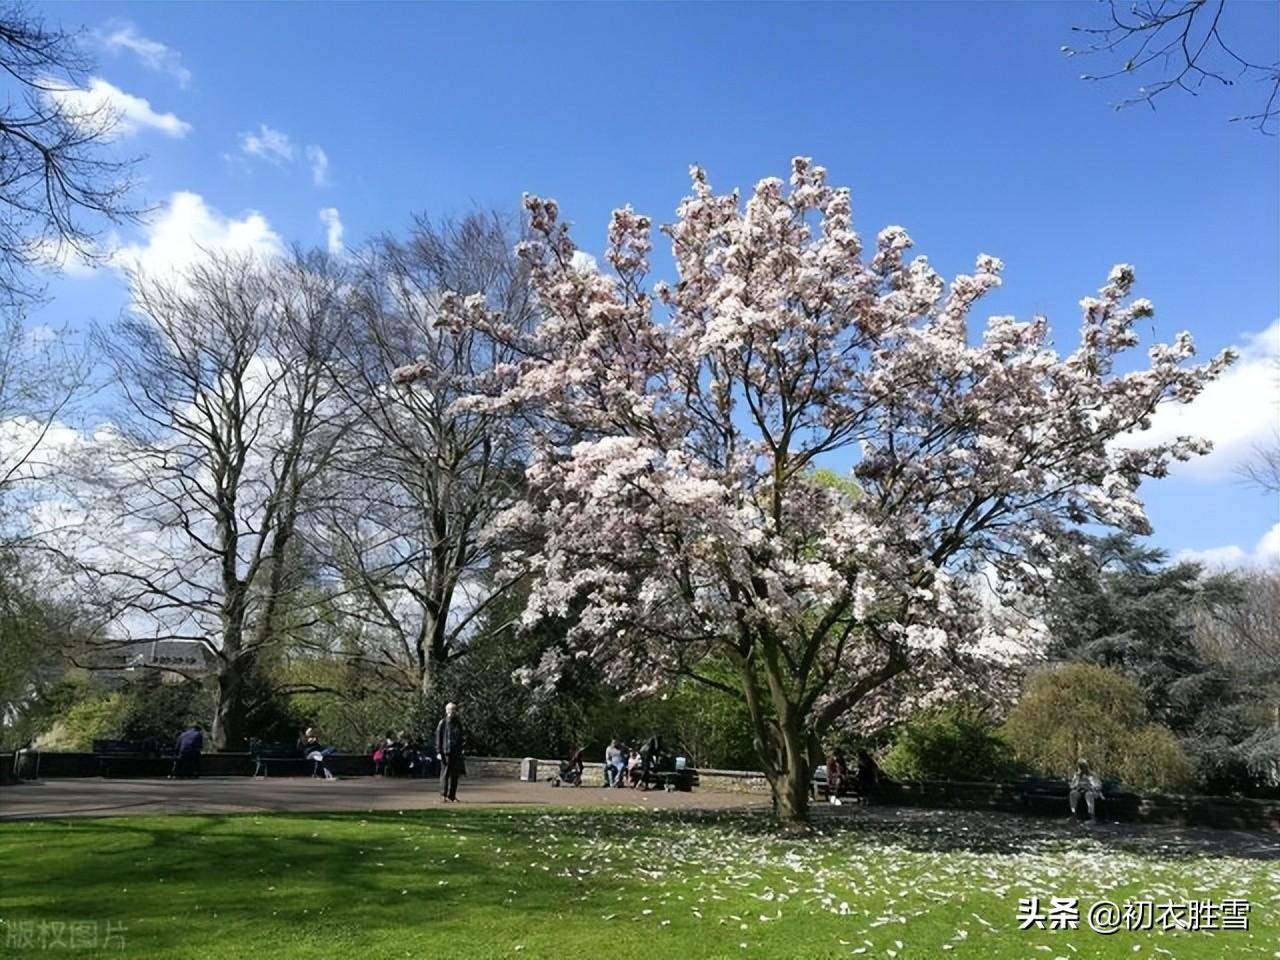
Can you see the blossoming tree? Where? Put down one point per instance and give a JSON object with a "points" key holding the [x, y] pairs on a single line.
{"points": [[680, 428]]}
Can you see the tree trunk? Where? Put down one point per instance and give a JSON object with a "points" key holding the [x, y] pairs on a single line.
{"points": [[785, 748], [229, 713], [426, 678], [791, 791], [791, 776]]}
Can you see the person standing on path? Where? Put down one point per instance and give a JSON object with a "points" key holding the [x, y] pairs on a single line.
{"points": [[188, 746], [449, 735]]}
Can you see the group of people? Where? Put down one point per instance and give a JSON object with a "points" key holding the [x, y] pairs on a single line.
{"points": [[624, 766], [395, 754], [400, 755], [864, 782]]}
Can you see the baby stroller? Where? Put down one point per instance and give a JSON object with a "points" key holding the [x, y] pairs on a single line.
{"points": [[570, 770]]}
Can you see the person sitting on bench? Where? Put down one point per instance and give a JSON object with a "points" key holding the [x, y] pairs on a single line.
{"points": [[1084, 783], [634, 772], [310, 747], [615, 764]]}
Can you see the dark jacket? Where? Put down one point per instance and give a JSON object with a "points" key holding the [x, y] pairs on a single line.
{"points": [[190, 742], [649, 752], [449, 736]]}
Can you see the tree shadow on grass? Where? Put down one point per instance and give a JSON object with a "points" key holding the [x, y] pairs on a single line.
{"points": [[320, 879]]}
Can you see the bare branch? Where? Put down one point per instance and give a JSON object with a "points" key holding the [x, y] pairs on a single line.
{"points": [[1181, 43]]}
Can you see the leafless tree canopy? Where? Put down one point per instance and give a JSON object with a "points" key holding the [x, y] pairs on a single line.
{"points": [[230, 417], [265, 473], [1262, 469], [59, 180], [1183, 45], [423, 479], [41, 375]]}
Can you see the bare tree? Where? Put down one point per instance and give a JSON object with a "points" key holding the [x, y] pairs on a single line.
{"points": [[229, 417], [1262, 469], [1241, 634], [42, 373], [1182, 43], [427, 477], [58, 180]]}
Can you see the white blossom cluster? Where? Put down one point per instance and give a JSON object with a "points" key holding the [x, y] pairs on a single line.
{"points": [[680, 425]]}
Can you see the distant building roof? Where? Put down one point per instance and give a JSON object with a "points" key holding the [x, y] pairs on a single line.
{"points": [[187, 656]]}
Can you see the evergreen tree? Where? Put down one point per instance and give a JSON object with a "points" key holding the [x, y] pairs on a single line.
{"points": [[1125, 607]]}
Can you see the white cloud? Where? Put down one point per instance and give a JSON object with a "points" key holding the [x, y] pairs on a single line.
{"points": [[319, 164], [186, 228], [62, 257], [333, 230], [1237, 412], [1266, 553], [268, 144], [152, 53], [97, 107], [34, 444]]}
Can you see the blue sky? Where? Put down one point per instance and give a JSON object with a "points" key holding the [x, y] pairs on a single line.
{"points": [[961, 121]]}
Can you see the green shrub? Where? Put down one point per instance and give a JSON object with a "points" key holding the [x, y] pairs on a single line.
{"points": [[144, 709], [93, 718], [1083, 710], [1155, 761], [952, 743]]}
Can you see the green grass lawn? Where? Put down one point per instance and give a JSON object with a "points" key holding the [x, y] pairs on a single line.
{"points": [[485, 882]]}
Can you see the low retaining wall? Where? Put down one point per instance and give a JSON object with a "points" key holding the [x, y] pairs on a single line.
{"points": [[52, 766]]}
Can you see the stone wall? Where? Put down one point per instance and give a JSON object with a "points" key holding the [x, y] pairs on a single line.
{"points": [[54, 766]]}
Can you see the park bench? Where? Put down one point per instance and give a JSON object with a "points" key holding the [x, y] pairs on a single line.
{"points": [[265, 753], [1030, 787], [1050, 794], [819, 789], [675, 776], [119, 753]]}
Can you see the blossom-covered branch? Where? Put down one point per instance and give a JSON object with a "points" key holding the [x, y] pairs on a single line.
{"points": [[680, 428]]}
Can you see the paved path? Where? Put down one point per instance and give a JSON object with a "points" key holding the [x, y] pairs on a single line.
{"points": [[96, 797]]}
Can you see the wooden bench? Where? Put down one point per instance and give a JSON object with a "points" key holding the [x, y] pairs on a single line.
{"points": [[265, 752], [113, 752], [677, 776], [1029, 788]]}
